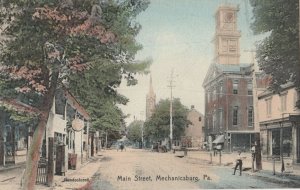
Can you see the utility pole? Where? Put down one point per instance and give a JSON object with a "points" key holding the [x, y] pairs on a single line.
{"points": [[142, 128], [256, 114], [171, 85]]}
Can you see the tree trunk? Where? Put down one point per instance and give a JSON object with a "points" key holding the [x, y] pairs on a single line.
{"points": [[105, 140], [33, 155]]}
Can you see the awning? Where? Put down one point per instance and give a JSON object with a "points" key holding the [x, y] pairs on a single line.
{"points": [[219, 139]]}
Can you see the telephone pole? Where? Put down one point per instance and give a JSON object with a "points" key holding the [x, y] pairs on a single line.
{"points": [[255, 113], [142, 128], [171, 85]]}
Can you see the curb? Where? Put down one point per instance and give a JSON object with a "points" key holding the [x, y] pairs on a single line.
{"points": [[11, 167]]}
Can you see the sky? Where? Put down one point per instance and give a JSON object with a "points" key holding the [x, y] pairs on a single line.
{"points": [[177, 35]]}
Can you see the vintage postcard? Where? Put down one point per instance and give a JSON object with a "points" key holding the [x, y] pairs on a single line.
{"points": [[149, 94]]}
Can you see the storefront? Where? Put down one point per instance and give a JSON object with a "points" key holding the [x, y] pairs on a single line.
{"points": [[280, 139]]}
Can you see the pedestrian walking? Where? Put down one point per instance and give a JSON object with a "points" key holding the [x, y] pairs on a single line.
{"points": [[239, 163]]}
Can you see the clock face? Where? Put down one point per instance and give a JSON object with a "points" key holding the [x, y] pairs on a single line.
{"points": [[228, 23], [228, 17]]}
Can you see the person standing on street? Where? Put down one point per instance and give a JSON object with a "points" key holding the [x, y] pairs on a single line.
{"points": [[239, 162]]}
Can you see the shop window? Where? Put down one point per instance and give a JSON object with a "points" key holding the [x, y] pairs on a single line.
{"points": [[287, 141], [275, 142]]}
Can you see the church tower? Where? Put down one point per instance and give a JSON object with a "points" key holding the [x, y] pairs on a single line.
{"points": [[227, 45], [150, 100]]}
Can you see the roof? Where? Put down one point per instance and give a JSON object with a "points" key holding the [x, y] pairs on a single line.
{"points": [[78, 107], [269, 92], [234, 68], [18, 106], [219, 69]]}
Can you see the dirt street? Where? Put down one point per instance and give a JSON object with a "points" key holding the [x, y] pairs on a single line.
{"points": [[140, 169]]}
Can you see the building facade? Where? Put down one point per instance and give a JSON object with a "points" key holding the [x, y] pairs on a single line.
{"points": [[63, 138], [150, 101], [229, 112], [279, 122], [194, 129]]}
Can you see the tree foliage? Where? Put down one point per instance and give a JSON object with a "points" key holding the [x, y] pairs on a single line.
{"points": [[158, 126], [96, 88], [134, 131], [278, 53], [89, 44]]}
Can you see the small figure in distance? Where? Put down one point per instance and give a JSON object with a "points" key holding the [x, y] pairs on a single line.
{"points": [[239, 162]]}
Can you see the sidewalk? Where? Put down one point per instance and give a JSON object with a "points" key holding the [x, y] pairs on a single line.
{"points": [[75, 179], [228, 160], [10, 177]]}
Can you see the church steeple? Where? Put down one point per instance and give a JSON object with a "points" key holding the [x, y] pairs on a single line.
{"points": [[151, 91], [150, 100]]}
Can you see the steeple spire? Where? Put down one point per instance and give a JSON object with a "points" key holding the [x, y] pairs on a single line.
{"points": [[151, 91], [150, 100]]}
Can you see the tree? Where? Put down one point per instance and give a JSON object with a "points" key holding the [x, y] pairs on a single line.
{"points": [[135, 131], [278, 54], [97, 86], [158, 126], [49, 41]]}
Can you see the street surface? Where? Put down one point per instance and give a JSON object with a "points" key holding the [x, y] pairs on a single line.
{"points": [[141, 169]]}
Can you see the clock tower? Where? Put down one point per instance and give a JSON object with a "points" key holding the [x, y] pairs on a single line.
{"points": [[227, 45]]}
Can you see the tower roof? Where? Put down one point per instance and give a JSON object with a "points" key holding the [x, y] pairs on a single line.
{"points": [[151, 91]]}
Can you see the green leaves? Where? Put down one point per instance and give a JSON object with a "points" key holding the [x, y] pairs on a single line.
{"points": [[158, 126], [135, 131], [278, 54]]}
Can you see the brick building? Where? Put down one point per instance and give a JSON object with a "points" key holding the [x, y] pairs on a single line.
{"points": [[229, 112]]}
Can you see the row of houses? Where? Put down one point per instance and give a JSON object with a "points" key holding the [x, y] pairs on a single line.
{"points": [[68, 142], [240, 110]]}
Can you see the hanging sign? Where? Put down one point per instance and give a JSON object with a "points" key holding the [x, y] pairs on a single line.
{"points": [[77, 124]]}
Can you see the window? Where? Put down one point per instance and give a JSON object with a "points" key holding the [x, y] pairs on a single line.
{"points": [[283, 102], [220, 93], [235, 115], [235, 87], [232, 46], [250, 88], [250, 116], [208, 98], [221, 89], [225, 45], [269, 107], [221, 118], [214, 119], [214, 94]]}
